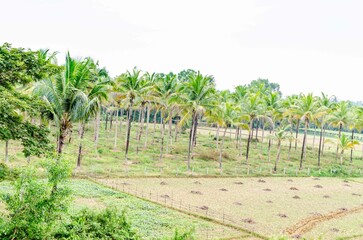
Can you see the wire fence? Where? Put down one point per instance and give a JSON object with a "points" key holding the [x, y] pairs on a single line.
{"points": [[186, 207]]}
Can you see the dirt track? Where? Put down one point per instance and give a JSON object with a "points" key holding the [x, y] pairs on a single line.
{"points": [[309, 223]]}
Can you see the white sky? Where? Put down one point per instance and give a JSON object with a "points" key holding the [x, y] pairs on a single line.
{"points": [[305, 46]]}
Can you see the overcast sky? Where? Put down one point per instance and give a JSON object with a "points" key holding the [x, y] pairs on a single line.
{"points": [[305, 46]]}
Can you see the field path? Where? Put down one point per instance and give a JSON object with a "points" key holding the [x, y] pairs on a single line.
{"points": [[307, 224]]}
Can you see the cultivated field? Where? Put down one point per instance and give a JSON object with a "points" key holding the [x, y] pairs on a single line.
{"points": [[291, 207], [150, 220]]}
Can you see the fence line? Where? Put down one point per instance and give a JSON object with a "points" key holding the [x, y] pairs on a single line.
{"points": [[184, 206]]}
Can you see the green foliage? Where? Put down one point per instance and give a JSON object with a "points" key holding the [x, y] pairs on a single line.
{"points": [[187, 235], [36, 205], [6, 173], [107, 224]]}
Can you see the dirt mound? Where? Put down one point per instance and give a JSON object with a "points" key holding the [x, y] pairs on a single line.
{"points": [[248, 220], [163, 183], [196, 192], [237, 203], [326, 196], [261, 181], [269, 201], [267, 190], [307, 224], [204, 208], [238, 183], [294, 189], [356, 194], [318, 186], [289, 180], [296, 197]]}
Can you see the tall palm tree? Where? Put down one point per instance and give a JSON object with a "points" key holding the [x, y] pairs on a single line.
{"points": [[65, 95], [306, 107], [197, 94], [280, 134], [340, 118], [131, 85], [164, 93]]}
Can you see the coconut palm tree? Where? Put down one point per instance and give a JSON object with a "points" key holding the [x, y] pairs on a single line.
{"points": [[306, 107], [340, 118], [197, 94], [164, 93], [280, 134], [345, 143], [65, 95], [130, 86]]}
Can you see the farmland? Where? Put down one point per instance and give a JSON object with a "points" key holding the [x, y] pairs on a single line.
{"points": [[267, 206]]}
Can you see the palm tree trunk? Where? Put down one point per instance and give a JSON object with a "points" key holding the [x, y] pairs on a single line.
{"points": [[278, 155], [304, 142], [97, 128], [139, 123], [162, 138], [140, 129], [156, 113], [147, 125], [351, 151], [176, 132], [191, 137], [297, 132], [121, 117], [217, 136], [195, 132], [320, 144], [7, 151], [81, 134], [263, 131], [323, 144], [237, 136], [221, 149], [314, 137], [170, 132], [340, 131], [111, 118], [258, 122], [341, 158], [269, 148], [106, 120], [249, 140], [128, 131], [290, 144], [240, 143], [116, 131], [62, 137]]}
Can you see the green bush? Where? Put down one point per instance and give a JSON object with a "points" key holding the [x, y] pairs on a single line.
{"points": [[36, 206], [107, 224], [6, 173]]}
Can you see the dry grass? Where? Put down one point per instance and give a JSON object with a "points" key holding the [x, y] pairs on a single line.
{"points": [[263, 208]]}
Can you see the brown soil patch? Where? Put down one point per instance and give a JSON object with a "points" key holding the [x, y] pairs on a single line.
{"points": [[296, 197], [261, 181], [326, 196], [204, 208], [294, 189], [237, 203], [163, 183], [239, 183], [289, 180], [223, 190], [309, 223], [356, 194], [196, 192], [248, 220], [267, 190], [318, 186], [269, 201]]}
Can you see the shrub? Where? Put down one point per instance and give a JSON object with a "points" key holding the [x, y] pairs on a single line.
{"points": [[107, 224]]}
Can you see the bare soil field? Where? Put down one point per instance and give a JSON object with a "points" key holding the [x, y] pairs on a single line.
{"points": [[292, 207]]}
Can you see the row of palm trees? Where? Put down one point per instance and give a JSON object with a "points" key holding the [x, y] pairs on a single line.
{"points": [[182, 100]]}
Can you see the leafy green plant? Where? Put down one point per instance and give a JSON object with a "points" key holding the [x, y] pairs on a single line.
{"points": [[107, 224], [36, 205]]}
